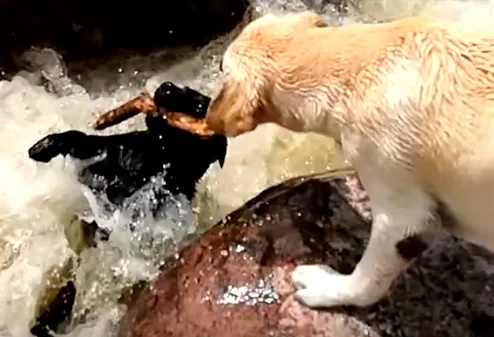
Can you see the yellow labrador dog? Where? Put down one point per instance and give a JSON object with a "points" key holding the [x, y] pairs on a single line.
{"points": [[412, 104]]}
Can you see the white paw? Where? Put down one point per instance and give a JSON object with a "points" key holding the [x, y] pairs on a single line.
{"points": [[321, 286]]}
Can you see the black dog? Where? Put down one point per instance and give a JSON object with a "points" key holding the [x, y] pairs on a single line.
{"points": [[132, 159]]}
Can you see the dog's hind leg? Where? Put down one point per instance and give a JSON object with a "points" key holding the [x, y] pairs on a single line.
{"points": [[400, 210]]}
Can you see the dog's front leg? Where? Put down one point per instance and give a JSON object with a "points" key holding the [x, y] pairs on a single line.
{"points": [[400, 210]]}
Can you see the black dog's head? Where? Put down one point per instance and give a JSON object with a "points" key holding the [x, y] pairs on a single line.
{"points": [[172, 98], [175, 99]]}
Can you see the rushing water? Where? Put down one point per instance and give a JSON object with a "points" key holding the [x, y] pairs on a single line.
{"points": [[39, 203]]}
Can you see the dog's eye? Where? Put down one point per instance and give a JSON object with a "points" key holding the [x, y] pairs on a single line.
{"points": [[221, 65]]}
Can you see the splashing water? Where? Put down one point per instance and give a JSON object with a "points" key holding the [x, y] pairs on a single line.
{"points": [[39, 201]]}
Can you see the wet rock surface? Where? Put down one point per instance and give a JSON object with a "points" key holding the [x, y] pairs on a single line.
{"points": [[235, 279], [55, 301]]}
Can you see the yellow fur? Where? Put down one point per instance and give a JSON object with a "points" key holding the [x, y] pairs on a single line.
{"points": [[410, 101]]}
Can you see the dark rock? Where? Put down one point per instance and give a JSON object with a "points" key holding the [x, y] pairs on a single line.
{"points": [[235, 279], [81, 29], [57, 313], [56, 300]]}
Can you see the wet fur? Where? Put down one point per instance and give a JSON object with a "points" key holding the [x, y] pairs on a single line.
{"points": [[412, 104]]}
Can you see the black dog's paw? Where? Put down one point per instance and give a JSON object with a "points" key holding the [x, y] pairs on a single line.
{"points": [[189, 101], [45, 149], [52, 145], [74, 143]]}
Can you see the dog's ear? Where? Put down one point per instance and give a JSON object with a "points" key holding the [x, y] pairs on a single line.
{"points": [[221, 147], [236, 107]]}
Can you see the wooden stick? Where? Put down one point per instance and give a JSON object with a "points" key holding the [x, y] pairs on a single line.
{"points": [[188, 123], [144, 103]]}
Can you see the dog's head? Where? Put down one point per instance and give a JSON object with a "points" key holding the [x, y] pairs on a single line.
{"points": [[249, 68], [175, 99]]}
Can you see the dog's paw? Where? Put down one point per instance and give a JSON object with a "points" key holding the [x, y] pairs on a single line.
{"points": [[321, 286], [46, 148], [56, 144]]}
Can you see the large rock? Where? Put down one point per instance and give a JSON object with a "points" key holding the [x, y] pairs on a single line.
{"points": [[90, 28], [235, 280]]}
